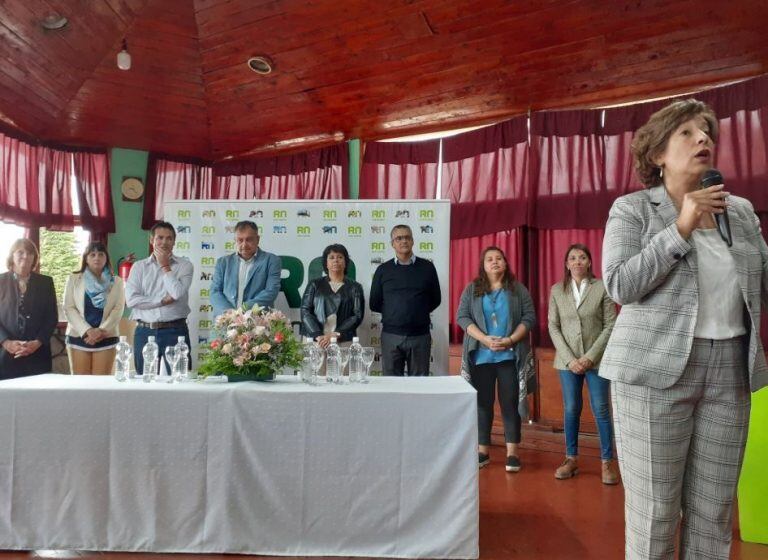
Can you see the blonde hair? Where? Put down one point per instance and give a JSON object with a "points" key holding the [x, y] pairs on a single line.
{"points": [[28, 246]]}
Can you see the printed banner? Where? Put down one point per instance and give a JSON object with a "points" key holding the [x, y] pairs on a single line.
{"points": [[298, 231]]}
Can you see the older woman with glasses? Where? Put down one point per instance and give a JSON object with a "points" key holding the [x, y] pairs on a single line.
{"points": [[28, 314]]}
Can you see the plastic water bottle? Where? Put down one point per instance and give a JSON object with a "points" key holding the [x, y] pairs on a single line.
{"points": [[182, 363], [355, 361], [123, 357], [306, 362], [150, 353], [333, 362]]}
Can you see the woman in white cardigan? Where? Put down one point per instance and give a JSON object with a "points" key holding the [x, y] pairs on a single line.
{"points": [[94, 300]]}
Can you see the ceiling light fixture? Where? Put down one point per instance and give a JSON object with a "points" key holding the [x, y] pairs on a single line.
{"points": [[260, 64], [53, 21], [124, 57]]}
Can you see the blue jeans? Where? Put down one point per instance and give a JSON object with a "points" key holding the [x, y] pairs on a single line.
{"points": [[163, 338], [599, 389]]}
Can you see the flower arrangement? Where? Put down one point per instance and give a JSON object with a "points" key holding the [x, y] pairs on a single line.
{"points": [[251, 344]]}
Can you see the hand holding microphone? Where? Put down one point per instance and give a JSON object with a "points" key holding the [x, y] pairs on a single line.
{"points": [[710, 199], [710, 179]]}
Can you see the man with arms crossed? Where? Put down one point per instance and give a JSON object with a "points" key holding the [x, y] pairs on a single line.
{"points": [[251, 275], [157, 291], [405, 291]]}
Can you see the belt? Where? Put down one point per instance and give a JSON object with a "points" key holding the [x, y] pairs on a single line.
{"points": [[163, 324]]}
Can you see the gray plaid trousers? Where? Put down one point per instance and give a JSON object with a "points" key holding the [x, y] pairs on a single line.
{"points": [[680, 450]]}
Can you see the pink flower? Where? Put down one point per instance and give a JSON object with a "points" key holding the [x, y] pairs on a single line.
{"points": [[279, 337], [239, 361], [215, 344]]}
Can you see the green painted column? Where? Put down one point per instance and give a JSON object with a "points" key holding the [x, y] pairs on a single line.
{"points": [[753, 484], [354, 168], [129, 237]]}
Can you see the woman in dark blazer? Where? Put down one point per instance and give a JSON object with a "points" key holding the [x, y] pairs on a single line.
{"points": [[333, 305], [28, 314], [496, 313]]}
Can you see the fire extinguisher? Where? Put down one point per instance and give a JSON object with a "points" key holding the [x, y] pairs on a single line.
{"points": [[124, 266]]}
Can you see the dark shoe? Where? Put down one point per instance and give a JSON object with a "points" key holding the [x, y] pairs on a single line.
{"points": [[610, 475], [568, 469], [483, 459], [513, 464]]}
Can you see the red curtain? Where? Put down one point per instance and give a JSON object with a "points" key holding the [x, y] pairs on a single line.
{"points": [[36, 183], [174, 179], [393, 170], [485, 176], [318, 174]]}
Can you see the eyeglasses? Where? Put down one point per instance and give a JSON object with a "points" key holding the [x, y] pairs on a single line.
{"points": [[402, 238]]}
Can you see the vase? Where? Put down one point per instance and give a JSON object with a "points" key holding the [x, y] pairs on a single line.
{"points": [[252, 375]]}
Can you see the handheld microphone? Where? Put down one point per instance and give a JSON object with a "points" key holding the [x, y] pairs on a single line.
{"points": [[713, 177]]}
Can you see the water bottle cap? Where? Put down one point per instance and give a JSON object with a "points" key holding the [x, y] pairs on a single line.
{"points": [[308, 339], [181, 339], [123, 338], [355, 339], [150, 339], [333, 340]]}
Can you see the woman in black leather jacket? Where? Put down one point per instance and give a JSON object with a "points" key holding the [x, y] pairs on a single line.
{"points": [[333, 305]]}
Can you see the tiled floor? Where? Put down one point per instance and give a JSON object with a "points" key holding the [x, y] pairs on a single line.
{"points": [[527, 515]]}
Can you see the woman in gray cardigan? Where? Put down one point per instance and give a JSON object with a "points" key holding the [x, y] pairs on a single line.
{"points": [[581, 317], [496, 313]]}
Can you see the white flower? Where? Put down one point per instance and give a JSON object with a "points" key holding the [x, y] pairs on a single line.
{"points": [[227, 348], [259, 330], [231, 333]]}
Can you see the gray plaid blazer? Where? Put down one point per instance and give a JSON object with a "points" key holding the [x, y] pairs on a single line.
{"points": [[651, 271]]}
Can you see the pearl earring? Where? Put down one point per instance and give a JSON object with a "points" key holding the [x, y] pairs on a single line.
{"points": [[661, 172]]}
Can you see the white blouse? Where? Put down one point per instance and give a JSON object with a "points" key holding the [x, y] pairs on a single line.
{"points": [[721, 304]]}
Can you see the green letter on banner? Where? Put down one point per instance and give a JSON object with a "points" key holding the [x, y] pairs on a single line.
{"points": [[291, 284]]}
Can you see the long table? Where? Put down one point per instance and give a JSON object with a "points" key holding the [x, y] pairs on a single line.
{"points": [[387, 469]]}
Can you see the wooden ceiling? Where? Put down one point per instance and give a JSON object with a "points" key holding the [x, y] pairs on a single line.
{"points": [[357, 68]]}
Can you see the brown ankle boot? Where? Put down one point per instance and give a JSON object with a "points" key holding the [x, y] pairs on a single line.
{"points": [[567, 470], [610, 473]]}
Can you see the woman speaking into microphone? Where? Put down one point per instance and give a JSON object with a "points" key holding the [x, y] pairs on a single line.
{"points": [[685, 350]]}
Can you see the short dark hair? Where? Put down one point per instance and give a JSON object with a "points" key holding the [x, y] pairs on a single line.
{"points": [[162, 225], [652, 138], [399, 226], [94, 246], [242, 224], [335, 248]]}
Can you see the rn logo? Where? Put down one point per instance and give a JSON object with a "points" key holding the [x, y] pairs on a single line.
{"points": [[232, 215], [378, 214], [426, 214], [205, 293], [208, 230], [209, 213], [426, 246], [280, 214], [229, 246], [182, 245], [303, 231], [378, 247], [329, 214], [184, 214], [207, 261], [205, 324], [355, 231], [375, 341]]}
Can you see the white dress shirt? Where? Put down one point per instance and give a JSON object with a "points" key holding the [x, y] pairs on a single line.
{"points": [[242, 276], [578, 290], [721, 304], [147, 285]]}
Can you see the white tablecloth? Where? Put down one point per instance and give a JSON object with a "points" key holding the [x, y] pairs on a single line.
{"points": [[385, 469]]}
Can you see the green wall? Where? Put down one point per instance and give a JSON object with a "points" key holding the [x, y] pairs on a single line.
{"points": [[129, 237], [354, 168]]}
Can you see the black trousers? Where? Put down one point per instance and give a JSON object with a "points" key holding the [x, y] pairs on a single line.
{"points": [[484, 380], [398, 351]]}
